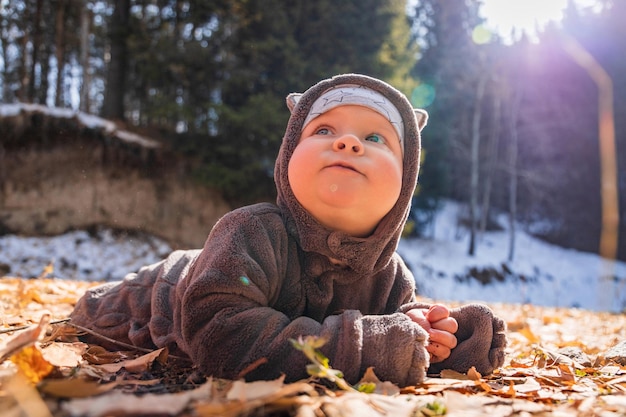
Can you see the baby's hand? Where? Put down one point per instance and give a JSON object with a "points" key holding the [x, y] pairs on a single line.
{"points": [[440, 327]]}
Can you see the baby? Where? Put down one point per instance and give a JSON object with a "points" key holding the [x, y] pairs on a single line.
{"points": [[322, 261]]}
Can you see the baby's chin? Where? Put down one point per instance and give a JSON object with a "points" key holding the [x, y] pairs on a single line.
{"points": [[356, 223]]}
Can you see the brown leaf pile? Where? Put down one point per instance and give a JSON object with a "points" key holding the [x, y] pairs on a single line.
{"points": [[557, 365]]}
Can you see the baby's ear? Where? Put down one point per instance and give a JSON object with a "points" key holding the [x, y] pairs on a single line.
{"points": [[293, 99], [422, 118]]}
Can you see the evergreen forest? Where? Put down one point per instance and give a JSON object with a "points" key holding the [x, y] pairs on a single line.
{"points": [[533, 129]]}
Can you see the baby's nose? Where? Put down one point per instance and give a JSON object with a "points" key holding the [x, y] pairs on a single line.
{"points": [[348, 143]]}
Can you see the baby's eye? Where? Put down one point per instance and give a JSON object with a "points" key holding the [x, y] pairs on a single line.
{"points": [[322, 131], [375, 137]]}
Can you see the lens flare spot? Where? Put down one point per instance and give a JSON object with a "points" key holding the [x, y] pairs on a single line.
{"points": [[423, 95], [481, 35], [245, 281]]}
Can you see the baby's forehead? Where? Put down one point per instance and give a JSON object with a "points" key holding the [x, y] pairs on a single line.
{"points": [[353, 94], [372, 117]]}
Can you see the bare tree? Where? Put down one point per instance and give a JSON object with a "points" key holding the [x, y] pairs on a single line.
{"points": [[475, 160], [512, 166], [492, 153], [85, 26], [4, 44], [22, 67], [36, 46], [59, 51], [113, 106]]}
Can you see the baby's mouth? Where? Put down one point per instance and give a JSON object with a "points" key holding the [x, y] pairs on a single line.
{"points": [[343, 165]]}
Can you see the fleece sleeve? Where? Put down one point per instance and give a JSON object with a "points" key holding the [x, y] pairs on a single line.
{"points": [[136, 310], [244, 300]]}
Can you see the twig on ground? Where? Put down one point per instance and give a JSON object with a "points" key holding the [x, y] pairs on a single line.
{"points": [[122, 344], [27, 326]]}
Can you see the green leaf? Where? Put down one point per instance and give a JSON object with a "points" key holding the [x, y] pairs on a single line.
{"points": [[366, 387]]}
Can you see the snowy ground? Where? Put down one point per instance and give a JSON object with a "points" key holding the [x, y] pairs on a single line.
{"points": [[102, 255], [542, 274]]}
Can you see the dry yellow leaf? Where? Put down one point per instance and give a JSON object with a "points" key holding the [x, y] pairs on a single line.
{"points": [[32, 363], [473, 374], [529, 335], [552, 319]]}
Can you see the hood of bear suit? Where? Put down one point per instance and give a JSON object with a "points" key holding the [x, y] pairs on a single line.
{"points": [[363, 255]]}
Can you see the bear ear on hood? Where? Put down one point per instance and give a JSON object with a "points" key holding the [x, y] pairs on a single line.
{"points": [[293, 99], [422, 118]]}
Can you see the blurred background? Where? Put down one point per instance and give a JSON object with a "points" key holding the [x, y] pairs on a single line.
{"points": [[159, 116]]}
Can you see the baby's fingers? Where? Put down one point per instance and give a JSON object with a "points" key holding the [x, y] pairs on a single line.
{"points": [[440, 345], [438, 352], [442, 338], [448, 324], [437, 312], [418, 317]]}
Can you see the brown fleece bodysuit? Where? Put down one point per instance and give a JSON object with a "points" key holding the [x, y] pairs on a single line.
{"points": [[269, 273]]}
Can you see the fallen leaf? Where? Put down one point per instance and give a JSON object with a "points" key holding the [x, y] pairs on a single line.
{"points": [[26, 397], [270, 395], [64, 354], [75, 387], [529, 335], [119, 403], [530, 385], [435, 385], [450, 374], [383, 388], [25, 338], [139, 364], [473, 374], [32, 364], [98, 355], [242, 391], [356, 404]]}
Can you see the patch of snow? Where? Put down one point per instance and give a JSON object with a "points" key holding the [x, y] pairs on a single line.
{"points": [[135, 138], [101, 256], [95, 122], [542, 274], [86, 120], [7, 110]]}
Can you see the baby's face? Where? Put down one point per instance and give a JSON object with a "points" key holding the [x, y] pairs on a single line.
{"points": [[347, 169]]}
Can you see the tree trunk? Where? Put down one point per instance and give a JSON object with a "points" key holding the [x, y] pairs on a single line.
{"points": [[46, 50], [6, 79], [59, 52], [113, 106], [494, 139], [512, 164], [37, 35], [85, 23], [22, 70], [475, 162]]}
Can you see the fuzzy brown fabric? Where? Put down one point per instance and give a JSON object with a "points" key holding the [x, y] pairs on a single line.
{"points": [[481, 339], [270, 273]]}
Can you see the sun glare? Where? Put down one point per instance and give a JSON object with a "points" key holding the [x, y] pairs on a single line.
{"points": [[512, 18]]}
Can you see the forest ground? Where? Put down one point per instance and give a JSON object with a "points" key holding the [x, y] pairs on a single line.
{"points": [[564, 362]]}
